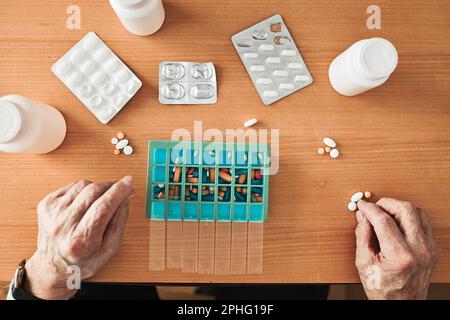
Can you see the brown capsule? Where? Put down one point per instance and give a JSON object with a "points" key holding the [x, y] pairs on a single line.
{"points": [[225, 176], [212, 175]]}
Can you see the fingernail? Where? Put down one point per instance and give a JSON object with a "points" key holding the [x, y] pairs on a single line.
{"points": [[359, 216], [128, 179], [360, 202]]}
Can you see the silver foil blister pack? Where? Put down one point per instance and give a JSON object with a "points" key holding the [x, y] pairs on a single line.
{"points": [[187, 83], [272, 59]]}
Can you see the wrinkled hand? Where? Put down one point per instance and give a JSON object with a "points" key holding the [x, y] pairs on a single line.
{"points": [[395, 251], [80, 224]]}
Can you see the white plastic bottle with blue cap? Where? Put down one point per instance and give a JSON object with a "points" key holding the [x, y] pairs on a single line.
{"points": [[140, 17], [367, 64], [28, 126]]}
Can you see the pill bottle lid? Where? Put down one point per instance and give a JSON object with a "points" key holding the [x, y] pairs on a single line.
{"points": [[378, 58], [10, 121]]}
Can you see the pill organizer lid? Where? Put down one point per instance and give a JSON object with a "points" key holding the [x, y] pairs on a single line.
{"points": [[10, 121]]}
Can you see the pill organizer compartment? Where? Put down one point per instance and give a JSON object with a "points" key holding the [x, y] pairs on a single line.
{"points": [[272, 59], [208, 199], [97, 77]]}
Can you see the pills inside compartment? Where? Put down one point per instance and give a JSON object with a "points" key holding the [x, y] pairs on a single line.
{"points": [[175, 192], [97, 77], [159, 191]]}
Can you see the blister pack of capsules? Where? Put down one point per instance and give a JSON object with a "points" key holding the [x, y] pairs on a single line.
{"points": [[96, 76], [187, 83], [272, 59]]}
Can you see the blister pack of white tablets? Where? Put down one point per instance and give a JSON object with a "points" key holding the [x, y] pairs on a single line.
{"points": [[187, 83], [272, 59], [96, 76]]}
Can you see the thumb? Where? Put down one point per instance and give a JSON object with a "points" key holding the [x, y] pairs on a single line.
{"points": [[366, 242]]}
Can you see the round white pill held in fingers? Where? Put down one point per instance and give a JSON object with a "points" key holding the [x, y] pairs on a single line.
{"points": [[250, 123], [357, 196], [334, 153], [128, 150], [122, 144], [352, 206], [114, 141], [329, 142]]}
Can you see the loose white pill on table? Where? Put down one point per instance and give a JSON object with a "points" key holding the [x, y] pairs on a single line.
{"points": [[114, 140], [128, 150], [121, 144], [250, 123], [352, 206], [334, 153], [329, 142], [321, 151], [357, 196], [367, 194]]}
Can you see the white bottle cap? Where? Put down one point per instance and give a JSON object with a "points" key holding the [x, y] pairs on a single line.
{"points": [[10, 121], [378, 58]]}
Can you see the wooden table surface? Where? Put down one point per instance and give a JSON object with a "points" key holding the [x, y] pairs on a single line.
{"points": [[395, 140]]}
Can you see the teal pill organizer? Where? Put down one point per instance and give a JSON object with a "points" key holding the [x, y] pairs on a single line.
{"points": [[207, 181]]}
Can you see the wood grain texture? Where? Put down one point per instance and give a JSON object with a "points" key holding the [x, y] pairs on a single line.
{"points": [[395, 140]]}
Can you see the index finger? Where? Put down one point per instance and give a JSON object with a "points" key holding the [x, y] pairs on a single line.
{"points": [[102, 210], [389, 236]]}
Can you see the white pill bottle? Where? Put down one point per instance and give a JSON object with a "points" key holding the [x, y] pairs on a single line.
{"points": [[28, 126], [140, 17], [367, 64]]}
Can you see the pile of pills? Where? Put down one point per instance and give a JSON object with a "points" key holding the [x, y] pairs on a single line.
{"points": [[330, 148], [352, 205], [121, 144]]}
